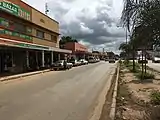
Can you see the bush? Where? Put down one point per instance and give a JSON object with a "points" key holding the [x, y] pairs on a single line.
{"points": [[130, 67], [145, 76], [155, 97]]}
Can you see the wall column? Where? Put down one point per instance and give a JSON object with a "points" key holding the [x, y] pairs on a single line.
{"points": [[43, 58], [27, 59], [59, 56], [52, 57], [37, 65]]}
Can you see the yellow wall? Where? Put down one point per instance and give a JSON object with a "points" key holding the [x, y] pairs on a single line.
{"points": [[44, 21], [47, 41], [43, 42]]}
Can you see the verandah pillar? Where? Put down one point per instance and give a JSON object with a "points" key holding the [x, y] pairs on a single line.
{"points": [[43, 58]]}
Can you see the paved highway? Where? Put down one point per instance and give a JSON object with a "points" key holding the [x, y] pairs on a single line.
{"points": [[155, 66], [57, 95]]}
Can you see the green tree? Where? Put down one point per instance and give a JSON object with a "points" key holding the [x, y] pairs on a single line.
{"points": [[141, 17], [66, 39]]}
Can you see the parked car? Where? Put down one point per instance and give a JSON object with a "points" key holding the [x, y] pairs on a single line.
{"points": [[140, 60], [91, 60], [156, 60], [97, 60], [106, 59], [111, 60], [75, 62], [60, 65], [83, 61]]}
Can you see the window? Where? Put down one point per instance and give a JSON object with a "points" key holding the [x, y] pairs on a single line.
{"points": [[20, 27], [40, 34], [4, 22], [54, 38]]}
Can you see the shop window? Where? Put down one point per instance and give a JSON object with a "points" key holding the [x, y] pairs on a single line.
{"points": [[40, 34], [4, 22], [20, 27], [28, 29]]}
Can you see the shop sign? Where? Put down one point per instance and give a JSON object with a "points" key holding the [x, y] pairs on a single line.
{"points": [[23, 45], [15, 34], [30, 46], [15, 9]]}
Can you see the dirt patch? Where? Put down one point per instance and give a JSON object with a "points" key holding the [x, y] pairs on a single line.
{"points": [[134, 96]]}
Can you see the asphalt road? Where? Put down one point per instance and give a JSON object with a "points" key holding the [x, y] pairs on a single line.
{"points": [[155, 66], [62, 95]]}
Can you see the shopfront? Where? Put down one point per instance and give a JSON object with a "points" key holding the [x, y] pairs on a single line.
{"points": [[18, 57]]}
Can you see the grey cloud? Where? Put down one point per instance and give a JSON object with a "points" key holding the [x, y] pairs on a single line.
{"points": [[100, 26]]}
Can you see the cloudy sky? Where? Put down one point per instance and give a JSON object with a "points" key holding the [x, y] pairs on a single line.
{"points": [[93, 22]]}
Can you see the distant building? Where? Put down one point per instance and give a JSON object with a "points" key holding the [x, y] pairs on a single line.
{"points": [[78, 50]]}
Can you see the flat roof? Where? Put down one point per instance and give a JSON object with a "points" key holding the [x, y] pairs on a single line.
{"points": [[40, 12]]}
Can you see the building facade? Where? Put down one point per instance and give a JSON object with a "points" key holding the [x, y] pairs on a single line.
{"points": [[29, 40], [79, 51]]}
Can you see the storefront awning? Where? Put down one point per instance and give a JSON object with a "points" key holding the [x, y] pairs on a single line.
{"points": [[14, 43]]}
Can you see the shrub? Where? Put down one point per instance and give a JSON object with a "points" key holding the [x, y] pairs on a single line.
{"points": [[145, 76], [130, 67], [155, 97]]}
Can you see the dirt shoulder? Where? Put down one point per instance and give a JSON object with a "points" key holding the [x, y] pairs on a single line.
{"points": [[134, 97]]}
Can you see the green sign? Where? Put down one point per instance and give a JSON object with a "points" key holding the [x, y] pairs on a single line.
{"points": [[7, 32], [31, 46], [15, 9]]}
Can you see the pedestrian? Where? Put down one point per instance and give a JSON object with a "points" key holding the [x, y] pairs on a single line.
{"points": [[65, 64]]}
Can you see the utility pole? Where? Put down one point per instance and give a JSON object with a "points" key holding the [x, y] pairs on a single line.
{"points": [[46, 8]]}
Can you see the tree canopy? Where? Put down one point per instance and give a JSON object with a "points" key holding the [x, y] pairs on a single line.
{"points": [[66, 39]]}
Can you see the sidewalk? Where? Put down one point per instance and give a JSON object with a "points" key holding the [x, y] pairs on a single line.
{"points": [[22, 75]]}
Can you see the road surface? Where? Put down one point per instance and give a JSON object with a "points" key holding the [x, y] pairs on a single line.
{"points": [[60, 95], [155, 66]]}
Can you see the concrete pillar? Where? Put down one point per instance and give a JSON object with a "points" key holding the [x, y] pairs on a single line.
{"points": [[52, 59], [42, 58], [27, 59], [37, 60], [59, 56]]}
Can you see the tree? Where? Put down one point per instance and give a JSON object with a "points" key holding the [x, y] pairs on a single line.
{"points": [[141, 17], [66, 39]]}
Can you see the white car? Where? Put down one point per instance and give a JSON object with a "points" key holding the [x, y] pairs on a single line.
{"points": [[91, 60], [75, 62], [156, 60], [83, 61], [60, 65]]}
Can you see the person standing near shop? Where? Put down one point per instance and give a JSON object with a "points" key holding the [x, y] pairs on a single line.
{"points": [[65, 64]]}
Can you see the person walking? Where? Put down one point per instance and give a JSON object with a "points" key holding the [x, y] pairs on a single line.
{"points": [[65, 64]]}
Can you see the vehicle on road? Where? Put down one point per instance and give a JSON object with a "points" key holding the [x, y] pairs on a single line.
{"points": [[142, 60], [156, 60], [83, 61], [91, 60], [60, 65], [111, 60], [106, 59], [97, 60], [75, 62]]}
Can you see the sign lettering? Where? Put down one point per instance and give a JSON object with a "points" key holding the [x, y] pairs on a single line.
{"points": [[15, 9], [7, 32]]}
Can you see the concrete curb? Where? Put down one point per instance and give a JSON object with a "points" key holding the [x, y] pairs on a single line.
{"points": [[113, 105], [22, 75], [102, 96]]}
